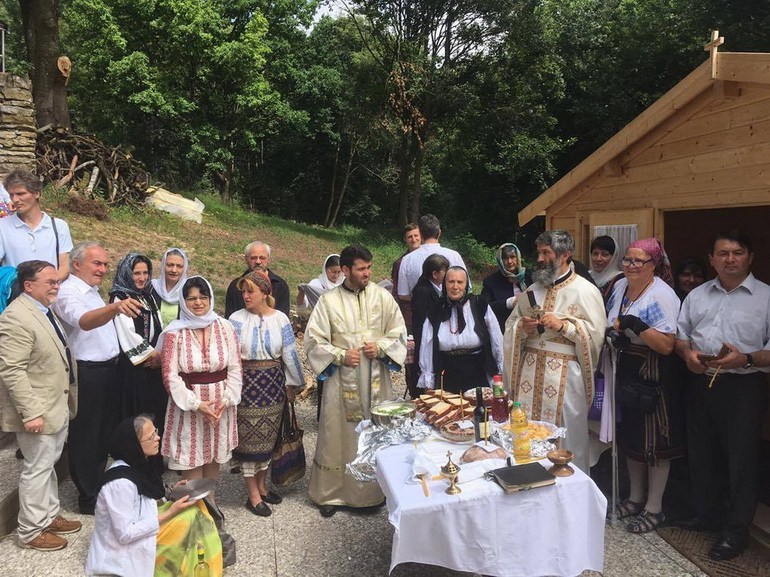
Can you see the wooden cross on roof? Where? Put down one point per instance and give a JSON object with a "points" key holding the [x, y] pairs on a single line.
{"points": [[711, 48]]}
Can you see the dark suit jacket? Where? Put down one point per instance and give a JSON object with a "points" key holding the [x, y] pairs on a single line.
{"points": [[234, 299], [424, 296], [34, 373]]}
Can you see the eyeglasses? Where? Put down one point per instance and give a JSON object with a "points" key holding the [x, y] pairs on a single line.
{"points": [[50, 283], [634, 262], [202, 298], [153, 437]]}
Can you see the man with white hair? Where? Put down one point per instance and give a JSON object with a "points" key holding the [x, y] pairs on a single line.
{"points": [[552, 343], [257, 257]]}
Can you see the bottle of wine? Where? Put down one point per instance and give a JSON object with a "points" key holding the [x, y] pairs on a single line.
{"points": [[202, 568], [479, 418]]}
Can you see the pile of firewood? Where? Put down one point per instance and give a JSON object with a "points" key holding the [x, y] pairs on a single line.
{"points": [[89, 168]]}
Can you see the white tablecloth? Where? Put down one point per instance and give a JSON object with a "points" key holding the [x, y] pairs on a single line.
{"points": [[556, 530]]}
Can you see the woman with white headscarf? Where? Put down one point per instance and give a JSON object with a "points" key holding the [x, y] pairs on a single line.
{"points": [[331, 276], [605, 264], [168, 286], [202, 371]]}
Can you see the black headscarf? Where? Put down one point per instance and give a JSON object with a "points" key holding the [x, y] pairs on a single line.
{"points": [[443, 310], [123, 283], [125, 445]]}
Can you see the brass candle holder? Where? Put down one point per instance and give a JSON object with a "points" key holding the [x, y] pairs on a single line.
{"points": [[450, 471]]}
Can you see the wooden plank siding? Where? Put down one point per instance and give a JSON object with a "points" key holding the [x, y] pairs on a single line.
{"points": [[716, 154]]}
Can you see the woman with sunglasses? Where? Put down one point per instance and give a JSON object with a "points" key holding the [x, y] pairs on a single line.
{"points": [[643, 310]]}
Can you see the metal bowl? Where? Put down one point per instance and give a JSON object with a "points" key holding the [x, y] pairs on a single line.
{"points": [[387, 412]]}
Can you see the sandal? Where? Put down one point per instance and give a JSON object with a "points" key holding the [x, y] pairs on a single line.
{"points": [[645, 522], [627, 508]]}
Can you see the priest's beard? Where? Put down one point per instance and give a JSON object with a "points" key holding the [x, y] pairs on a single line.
{"points": [[545, 273]]}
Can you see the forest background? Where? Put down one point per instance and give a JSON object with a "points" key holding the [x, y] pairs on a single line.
{"points": [[372, 112]]}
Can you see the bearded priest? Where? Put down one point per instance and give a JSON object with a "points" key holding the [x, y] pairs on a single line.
{"points": [[355, 336], [552, 342]]}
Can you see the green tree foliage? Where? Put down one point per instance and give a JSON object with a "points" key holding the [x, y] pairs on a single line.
{"points": [[465, 108], [180, 80]]}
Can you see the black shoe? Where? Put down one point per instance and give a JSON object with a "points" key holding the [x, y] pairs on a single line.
{"points": [[727, 548], [235, 469], [371, 509], [328, 510], [260, 509], [272, 497], [696, 524]]}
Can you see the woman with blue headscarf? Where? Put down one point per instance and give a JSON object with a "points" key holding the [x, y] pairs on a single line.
{"points": [[143, 390], [462, 345], [502, 286]]}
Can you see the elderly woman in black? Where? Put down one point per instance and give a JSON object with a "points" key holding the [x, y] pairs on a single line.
{"points": [[461, 339]]}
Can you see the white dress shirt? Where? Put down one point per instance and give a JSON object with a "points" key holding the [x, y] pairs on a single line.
{"points": [[126, 527], [711, 316], [76, 298], [19, 242], [411, 265]]}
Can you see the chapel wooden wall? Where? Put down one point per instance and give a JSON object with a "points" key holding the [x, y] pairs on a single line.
{"points": [[713, 153]]}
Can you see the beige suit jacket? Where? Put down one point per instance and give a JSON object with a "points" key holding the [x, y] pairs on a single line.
{"points": [[34, 374]]}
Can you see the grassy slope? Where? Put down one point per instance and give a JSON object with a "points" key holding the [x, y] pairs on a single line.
{"points": [[216, 246]]}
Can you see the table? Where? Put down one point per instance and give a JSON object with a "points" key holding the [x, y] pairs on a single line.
{"points": [[556, 530]]}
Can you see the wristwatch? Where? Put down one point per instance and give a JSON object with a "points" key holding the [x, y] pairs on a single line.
{"points": [[749, 361]]}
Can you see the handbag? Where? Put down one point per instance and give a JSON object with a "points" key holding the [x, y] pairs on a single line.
{"points": [[288, 463], [639, 396], [595, 410], [228, 542]]}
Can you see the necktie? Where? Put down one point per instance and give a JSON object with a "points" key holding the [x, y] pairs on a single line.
{"points": [[51, 318]]}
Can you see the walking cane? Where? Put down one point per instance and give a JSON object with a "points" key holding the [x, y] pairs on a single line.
{"points": [[614, 516]]}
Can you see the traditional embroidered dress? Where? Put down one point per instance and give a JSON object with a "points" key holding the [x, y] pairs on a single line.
{"points": [[189, 439], [551, 374], [270, 364], [646, 438], [345, 319]]}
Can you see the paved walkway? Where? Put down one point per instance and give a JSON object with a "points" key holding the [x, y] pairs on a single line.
{"points": [[297, 542]]}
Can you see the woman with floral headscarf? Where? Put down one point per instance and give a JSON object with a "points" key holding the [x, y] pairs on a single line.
{"points": [[502, 286], [461, 339], [272, 374], [167, 287], [201, 366], [140, 362], [643, 310]]}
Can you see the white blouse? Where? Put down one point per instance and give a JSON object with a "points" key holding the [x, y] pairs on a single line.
{"points": [[134, 345], [448, 341], [125, 533], [269, 338]]}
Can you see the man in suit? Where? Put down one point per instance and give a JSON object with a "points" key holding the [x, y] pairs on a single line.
{"points": [[38, 397]]}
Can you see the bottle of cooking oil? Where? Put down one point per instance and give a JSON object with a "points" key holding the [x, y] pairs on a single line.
{"points": [[202, 568], [520, 433]]}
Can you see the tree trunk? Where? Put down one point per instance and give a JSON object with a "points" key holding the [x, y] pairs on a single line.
{"points": [[348, 172], [414, 208], [333, 190], [404, 163], [41, 32]]}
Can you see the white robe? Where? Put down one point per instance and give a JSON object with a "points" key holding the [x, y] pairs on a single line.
{"points": [[552, 374], [340, 321]]}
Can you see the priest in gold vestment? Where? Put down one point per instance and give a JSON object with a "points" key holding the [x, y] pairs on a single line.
{"points": [[552, 343], [355, 336]]}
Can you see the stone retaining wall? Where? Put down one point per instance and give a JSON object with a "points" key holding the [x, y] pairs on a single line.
{"points": [[17, 124]]}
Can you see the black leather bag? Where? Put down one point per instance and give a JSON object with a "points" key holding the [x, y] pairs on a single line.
{"points": [[639, 396]]}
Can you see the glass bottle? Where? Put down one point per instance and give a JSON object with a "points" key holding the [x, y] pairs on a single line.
{"points": [[202, 568]]}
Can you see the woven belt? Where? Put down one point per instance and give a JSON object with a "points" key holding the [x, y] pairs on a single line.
{"points": [[266, 364], [202, 378], [459, 352]]}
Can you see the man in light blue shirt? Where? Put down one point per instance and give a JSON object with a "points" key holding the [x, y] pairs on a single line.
{"points": [[726, 390], [29, 233]]}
